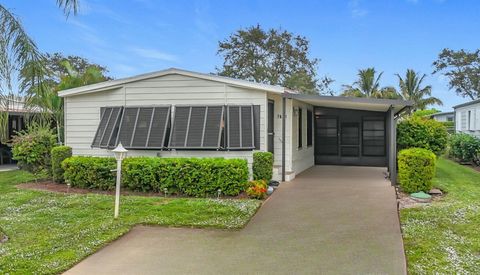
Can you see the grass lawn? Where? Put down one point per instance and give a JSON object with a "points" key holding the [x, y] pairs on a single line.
{"points": [[50, 232], [444, 238]]}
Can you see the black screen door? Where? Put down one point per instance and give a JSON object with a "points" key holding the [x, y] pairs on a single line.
{"points": [[350, 139], [270, 127]]}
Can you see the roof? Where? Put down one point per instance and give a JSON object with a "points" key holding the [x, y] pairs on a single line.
{"points": [[111, 84], [17, 106], [442, 114], [358, 103], [467, 103]]}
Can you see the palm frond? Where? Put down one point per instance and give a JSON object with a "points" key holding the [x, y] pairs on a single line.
{"points": [[68, 6]]}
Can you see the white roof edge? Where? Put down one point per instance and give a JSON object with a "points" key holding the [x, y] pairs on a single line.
{"points": [[112, 84]]}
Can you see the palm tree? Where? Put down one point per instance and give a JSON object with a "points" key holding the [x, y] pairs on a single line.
{"points": [[17, 51], [45, 96], [411, 89], [368, 85]]}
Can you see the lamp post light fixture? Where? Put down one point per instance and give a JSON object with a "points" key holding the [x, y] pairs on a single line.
{"points": [[120, 153]]}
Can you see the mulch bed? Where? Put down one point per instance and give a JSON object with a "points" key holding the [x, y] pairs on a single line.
{"points": [[63, 188], [405, 201]]}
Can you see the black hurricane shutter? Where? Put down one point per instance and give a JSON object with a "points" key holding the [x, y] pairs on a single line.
{"points": [[197, 127], [309, 128], [300, 128], [373, 136], [241, 127], [108, 127], [144, 127]]}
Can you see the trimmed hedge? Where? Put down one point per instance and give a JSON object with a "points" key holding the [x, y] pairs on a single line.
{"points": [[59, 154], [416, 169], [464, 147], [417, 132], [197, 177], [90, 172], [262, 166]]}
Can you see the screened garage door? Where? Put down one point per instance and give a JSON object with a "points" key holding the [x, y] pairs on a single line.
{"points": [[350, 137]]}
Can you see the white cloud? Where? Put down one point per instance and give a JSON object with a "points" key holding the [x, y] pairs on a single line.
{"points": [[356, 10], [154, 54]]}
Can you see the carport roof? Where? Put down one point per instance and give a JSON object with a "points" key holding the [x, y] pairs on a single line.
{"points": [[356, 103]]}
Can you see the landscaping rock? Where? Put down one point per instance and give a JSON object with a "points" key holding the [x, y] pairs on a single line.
{"points": [[435, 192], [270, 190]]}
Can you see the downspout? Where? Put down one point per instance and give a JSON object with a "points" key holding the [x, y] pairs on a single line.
{"points": [[284, 114]]}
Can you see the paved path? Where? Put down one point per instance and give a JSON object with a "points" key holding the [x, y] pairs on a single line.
{"points": [[329, 220], [8, 167]]}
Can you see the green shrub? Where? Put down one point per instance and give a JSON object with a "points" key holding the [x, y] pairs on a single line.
{"points": [[32, 147], [257, 189], [262, 166], [188, 176], [415, 132], [416, 169], [90, 172], [464, 147], [59, 154]]}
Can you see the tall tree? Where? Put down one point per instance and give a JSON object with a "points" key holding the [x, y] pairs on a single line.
{"points": [[368, 85], [17, 50], [462, 69], [411, 89], [273, 56]]}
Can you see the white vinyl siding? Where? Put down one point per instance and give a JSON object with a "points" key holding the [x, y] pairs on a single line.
{"points": [[468, 119], [82, 112]]}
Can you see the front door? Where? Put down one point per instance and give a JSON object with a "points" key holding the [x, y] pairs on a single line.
{"points": [[350, 139], [270, 127]]}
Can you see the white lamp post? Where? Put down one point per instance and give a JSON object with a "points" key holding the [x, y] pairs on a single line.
{"points": [[120, 154]]}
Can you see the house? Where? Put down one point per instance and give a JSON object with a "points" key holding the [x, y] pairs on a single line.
{"points": [[17, 115], [178, 113], [467, 118], [444, 116]]}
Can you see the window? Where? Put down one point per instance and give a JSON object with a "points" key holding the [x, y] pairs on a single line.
{"points": [[309, 128], [193, 127], [241, 127], [300, 128], [107, 130], [373, 136], [469, 120], [197, 127]]}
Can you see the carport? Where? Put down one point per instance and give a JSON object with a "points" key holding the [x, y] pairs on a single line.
{"points": [[354, 131]]}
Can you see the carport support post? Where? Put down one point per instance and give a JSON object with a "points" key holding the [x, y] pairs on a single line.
{"points": [[392, 148], [284, 114]]}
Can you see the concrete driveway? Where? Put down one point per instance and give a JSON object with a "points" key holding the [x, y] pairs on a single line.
{"points": [[330, 219]]}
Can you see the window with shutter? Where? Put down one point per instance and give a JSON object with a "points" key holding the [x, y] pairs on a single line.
{"points": [[197, 127], [108, 127], [144, 127], [241, 127]]}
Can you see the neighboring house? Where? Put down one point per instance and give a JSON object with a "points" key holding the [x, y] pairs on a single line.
{"points": [[17, 113], [444, 116], [177, 113], [467, 116]]}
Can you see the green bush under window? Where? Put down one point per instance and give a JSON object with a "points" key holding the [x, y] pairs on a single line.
{"points": [[416, 169], [465, 147], [262, 166], [185, 176]]}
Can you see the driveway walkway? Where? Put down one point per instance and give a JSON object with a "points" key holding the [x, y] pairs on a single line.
{"points": [[329, 220]]}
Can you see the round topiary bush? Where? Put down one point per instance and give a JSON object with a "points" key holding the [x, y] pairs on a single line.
{"points": [[262, 166], [415, 132], [416, 169]]}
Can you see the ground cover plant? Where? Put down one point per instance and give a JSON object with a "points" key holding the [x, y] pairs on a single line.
{"points": [[49, 232], [443, 238]]}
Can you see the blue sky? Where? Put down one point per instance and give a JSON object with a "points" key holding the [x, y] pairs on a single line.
{"points": [[138, 36]]}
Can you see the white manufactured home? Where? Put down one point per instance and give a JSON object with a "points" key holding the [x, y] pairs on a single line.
{"points": [[467, 118], [178, 113]]}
